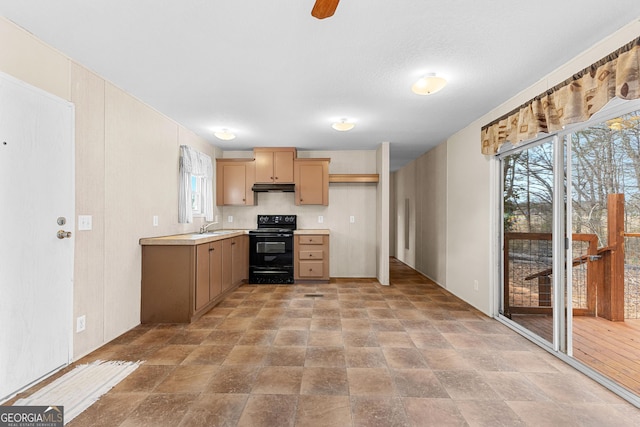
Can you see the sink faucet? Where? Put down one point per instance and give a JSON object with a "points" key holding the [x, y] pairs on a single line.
{"points": [[205, 226]]}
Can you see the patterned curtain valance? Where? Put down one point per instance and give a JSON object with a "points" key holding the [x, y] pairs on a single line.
{"points": [[572, 101]]}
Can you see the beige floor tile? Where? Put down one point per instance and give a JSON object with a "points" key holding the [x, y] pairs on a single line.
{"points": [[369, 382], [208, 355], [374, 411], [220, 410], [422, 412], [325, 381], [403, 358], [247, 355], [328, 357], [278, 380], [365, 357], [409, 354], [323, 411], [187, 379], [489, 413], [417, 383], [268, 411], [325, 338]]}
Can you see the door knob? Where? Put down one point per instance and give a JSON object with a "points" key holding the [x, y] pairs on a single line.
{"points": [[64, 234]]}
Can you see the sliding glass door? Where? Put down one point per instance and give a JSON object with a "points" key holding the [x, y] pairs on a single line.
{"points": [[605, 227], [571, 244], [528, 209]]}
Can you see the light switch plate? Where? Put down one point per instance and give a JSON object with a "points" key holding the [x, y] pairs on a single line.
{"points": [[230, 218], [81, 323], [84, 222], [352, 219], [320, 219], [155, 220]]}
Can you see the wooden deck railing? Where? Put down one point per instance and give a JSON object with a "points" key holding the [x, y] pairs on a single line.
{"points": [[604, 273], [544, 279]]}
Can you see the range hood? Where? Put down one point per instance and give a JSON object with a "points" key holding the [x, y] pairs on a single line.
{"points": [[264, 188]]}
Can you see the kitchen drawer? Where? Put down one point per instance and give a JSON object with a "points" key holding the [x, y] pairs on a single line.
{"points": [[311, 254], [311, 269], [311, 239]]}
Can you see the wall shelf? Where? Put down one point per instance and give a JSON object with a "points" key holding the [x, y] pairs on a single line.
{"points": [[353, 177]]}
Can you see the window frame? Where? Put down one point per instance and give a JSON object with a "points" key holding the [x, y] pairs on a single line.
{"points": [[197, 195]]}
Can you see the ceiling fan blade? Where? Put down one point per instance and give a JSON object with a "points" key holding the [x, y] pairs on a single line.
{"points": [[324, 8]]}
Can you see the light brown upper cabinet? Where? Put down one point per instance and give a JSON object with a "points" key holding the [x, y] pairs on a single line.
{"points": [[312, 181], [274, 165], [234, 179]]}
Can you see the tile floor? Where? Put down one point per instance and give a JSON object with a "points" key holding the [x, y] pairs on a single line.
{"points": [[360, 355]]}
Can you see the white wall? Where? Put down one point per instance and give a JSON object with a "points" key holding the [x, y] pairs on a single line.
{"points": [[352, 245], [467, 219], [431, 218], [384, 210], [126, 172], [471, 203]]}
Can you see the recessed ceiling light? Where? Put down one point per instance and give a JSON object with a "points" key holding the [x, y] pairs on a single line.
{"points": [[224, 135], [428, 84], [343, 125]]}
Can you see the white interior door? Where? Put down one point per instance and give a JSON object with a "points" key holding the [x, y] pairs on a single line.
{"points": [[36, 267]]}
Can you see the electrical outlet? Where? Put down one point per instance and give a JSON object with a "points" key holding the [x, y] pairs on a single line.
{"points": [[320, 219], [475, 285], [352, 219], [81, 323], [230, 218], [155, 220]]}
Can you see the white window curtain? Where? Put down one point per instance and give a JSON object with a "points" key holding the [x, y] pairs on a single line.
{"points": [[193, 162]]}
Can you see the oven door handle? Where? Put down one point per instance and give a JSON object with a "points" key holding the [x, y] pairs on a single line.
{"points": [[270, 235]]}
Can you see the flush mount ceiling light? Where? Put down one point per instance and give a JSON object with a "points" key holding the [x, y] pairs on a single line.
{"points": [[224, 135], [343, 125], [428, 84]]}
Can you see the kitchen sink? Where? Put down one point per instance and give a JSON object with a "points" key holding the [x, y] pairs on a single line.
{"points": [[211, 233]]}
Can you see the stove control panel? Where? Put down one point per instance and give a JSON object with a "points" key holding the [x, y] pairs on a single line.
{"points": [[277, 220]]}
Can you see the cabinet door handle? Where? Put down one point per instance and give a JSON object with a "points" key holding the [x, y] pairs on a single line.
{"points": [[211, 249]]}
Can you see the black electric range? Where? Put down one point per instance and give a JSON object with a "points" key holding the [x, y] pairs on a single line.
{"points": [[271, 250]]}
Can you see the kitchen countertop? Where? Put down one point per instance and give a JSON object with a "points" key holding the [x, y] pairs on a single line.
{"points": [[191, 238], [198, 239]]}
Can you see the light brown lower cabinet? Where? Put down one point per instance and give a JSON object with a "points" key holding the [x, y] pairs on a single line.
{"points": [[181, 283], [208, 273], [311, 259]]}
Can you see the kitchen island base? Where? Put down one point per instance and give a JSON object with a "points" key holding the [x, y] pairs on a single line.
{"points": [[182, 282]]}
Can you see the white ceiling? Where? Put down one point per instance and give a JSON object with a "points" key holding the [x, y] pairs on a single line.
{"points": [[276, 76]]}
